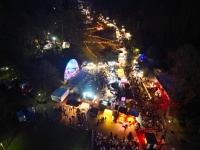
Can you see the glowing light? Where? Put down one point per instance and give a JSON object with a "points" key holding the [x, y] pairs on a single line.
{"points": [[130, 119], [71, 69], [128, 36], [121, 118], [108, 113], [89, 95], [54, 38], [123, 99], [66, 45]]}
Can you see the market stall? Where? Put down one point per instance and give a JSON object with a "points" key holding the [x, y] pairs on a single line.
{"points": [[108, 113]]}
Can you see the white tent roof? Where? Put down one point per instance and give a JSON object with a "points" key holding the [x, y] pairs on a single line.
{"points": [[85, 106]]}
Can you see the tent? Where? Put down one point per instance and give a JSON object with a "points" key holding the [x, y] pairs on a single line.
{"points": [[26, 114], [121, 118], [134, 113], [65, 45], [94, 111], [73, 103], [120, 73], [21, 117], [130, 119], [107, 113], [84, 106], [124, 118], [124, 80]]}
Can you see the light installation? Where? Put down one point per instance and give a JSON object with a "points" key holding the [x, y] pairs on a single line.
{"points": [[71, 70]]}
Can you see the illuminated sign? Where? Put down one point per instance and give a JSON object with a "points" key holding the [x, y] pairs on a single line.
{"points": [[123, 99]]}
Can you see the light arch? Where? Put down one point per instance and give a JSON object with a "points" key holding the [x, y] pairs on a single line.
{"points": [[71, 70]]}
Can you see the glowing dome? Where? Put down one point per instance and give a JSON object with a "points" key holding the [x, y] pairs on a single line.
{"points": [[70, 70]]}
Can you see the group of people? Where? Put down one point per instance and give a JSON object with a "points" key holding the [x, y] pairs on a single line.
{"points": [[113, 143]]}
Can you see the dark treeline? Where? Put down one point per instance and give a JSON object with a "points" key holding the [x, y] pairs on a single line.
{"points": [[161, 23], [169, 31], [23, 22]]}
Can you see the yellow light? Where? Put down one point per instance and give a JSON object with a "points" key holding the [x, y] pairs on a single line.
{"points": [[108, 113], [137, 50]]}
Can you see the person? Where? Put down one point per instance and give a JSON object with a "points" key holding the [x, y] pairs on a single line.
{"points": [[115, 136], [110, 134], [66, 115], [123, 140], [156, 133]]}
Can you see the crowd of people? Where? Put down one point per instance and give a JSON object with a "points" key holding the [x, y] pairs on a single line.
{"points": [[111, 142]]}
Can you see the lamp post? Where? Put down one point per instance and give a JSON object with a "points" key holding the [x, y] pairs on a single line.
{"points": [[1, 144], [54, 41], [97, 64]]}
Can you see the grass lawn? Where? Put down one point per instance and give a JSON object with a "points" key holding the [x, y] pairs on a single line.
{"points": [[49, 136]]}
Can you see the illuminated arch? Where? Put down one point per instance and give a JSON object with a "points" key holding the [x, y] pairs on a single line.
{"points": [[71, 70]]}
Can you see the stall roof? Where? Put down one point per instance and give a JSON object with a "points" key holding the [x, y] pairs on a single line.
{"points": [[74, 103], [94, 111], [59, 92], [108, 113], [120, 72], [85, 106], [133, 113], [27, 113]]}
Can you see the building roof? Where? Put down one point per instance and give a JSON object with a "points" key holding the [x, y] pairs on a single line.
{"points": [[59, 92]]}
